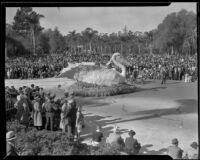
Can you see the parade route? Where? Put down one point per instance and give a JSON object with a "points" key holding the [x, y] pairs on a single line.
{"points": [[157, 113]]}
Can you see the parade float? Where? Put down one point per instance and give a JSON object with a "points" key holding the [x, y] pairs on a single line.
{"points": [[98, 80]]}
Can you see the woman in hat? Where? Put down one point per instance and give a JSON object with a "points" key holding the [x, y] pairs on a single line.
{"points": [[37, 113], [131, 144], [10, 146], [79, 122], [63, 120]]}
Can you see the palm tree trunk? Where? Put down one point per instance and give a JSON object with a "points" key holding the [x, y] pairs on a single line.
{"points": [[139, 48], [121, 48], [90, 45], [33, 38], [150, 48], [172, 50]]}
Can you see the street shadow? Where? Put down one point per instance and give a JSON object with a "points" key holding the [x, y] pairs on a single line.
{"points": [[93, 102], [186, 106], [173, 82], [144, 150], [150, 89], [148, 82], [139, 89]]}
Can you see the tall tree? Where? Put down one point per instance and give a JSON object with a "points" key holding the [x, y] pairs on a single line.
{"points": [[56, 41], [27, 23], [173, 31], [89, 34]]}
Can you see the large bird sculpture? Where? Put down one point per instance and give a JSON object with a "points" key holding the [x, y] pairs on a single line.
{"points": [[97, 74]]}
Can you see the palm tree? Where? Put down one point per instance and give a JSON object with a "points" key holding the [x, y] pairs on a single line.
{"points": [[89, 34], [35, 23], [138, 39], [73, 40]]}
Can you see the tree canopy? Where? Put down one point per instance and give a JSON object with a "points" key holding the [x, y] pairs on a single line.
{"points": [[177, 34]]}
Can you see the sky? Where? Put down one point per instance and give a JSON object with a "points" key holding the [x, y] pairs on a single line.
{"points": [[103, 19]]}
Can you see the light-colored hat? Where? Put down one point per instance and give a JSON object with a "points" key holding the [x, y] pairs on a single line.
{"points": [[98, 128], [10, 135], [70, 101], [115, 129], [19, 97]]}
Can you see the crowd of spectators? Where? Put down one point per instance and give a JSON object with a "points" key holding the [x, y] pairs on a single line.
{"points": [[40, 109], [145, 65], [45, 66], [176, 66]]}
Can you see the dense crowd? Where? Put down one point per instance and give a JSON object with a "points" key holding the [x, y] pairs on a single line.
{"points": [[176, 66], [37, 108], [45, 66], [144, 65]]}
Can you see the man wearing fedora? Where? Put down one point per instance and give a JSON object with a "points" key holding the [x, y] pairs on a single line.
{"points": [[10, 140], [64, 98], [48, 108], [63, 116], [174, 151], [71, 116], [97, 135], [23, 112], [131, 144]]}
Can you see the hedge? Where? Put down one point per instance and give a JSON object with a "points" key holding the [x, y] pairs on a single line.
{"points": [[84, 89], [34, 142]]}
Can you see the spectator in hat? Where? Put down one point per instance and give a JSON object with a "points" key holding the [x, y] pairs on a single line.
{"points": [[115, 138], [48, 108], [24, 115], [19, 104], [27, 99], [57, 113], [65, 97], [37, 113], [195, 147], [97, 135], [63, 116], [131, 144], [71, 97], [10, 144], [21, 95], [37, 88], [174, 151], [42, 94], [79, 122], [72, 109], [68, 117]]}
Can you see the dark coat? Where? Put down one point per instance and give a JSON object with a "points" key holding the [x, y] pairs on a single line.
{"points": [[10, 150], [132, 145]]}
